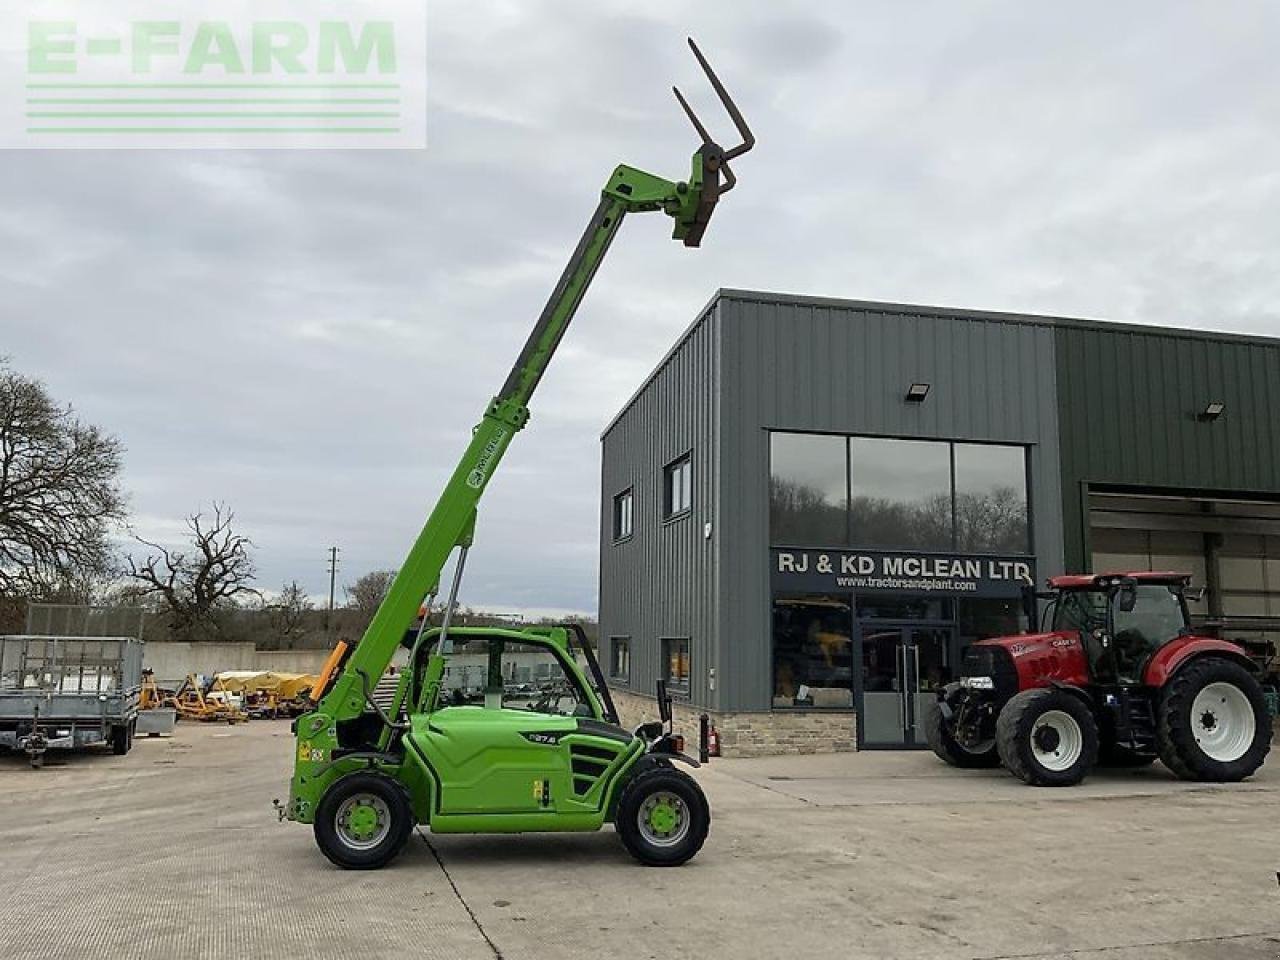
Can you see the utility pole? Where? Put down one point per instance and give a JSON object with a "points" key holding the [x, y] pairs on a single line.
{"points": [[333, 574]]}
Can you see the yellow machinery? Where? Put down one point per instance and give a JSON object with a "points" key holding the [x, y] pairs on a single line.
{"points": [[268, 693], [206, 704]]}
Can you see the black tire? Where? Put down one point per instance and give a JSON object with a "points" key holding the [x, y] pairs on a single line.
{"points": [[120, 739], [949, 749], [1184, 738], [1111, 755], [1030, 741], [692, 818], [337, 843]]}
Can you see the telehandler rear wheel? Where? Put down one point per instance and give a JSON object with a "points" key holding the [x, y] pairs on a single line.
{"points": [[1047, 738], [1213, 724], [663, 817], [363, 821]]}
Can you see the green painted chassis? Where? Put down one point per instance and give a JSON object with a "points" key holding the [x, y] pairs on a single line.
{"points": [[472, 769]]}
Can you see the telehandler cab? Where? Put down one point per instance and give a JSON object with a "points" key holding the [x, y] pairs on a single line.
{"points": [[1121, 677], [492, 730]]}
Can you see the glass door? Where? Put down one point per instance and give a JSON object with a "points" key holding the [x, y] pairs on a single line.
{"points": [[882, 720], [902, 667]]}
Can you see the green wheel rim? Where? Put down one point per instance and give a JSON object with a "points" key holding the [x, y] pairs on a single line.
{"points": [[664, 819], [363, 821]]}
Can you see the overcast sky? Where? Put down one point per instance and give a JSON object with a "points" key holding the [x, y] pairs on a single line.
{"points": [[310, 336]]}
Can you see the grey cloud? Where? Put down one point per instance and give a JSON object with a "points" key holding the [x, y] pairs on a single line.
{"points": [[310, 336]]}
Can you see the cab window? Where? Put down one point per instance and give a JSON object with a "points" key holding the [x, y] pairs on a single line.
{"points": [[534, 679], [1083, 610], [496, 672], [1155, 619]]}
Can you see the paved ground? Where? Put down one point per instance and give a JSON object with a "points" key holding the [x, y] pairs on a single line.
{"points": [[174, 852]]}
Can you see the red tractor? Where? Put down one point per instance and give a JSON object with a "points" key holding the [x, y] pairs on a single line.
{"points": [[1120, 679]]}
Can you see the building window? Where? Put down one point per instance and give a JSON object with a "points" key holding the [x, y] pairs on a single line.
{"points": [[620, 659], [809, 489], [675, 663], [812, 652], [677, 487], [900, 494], [991, 499], [887, 494], [623, 512]]}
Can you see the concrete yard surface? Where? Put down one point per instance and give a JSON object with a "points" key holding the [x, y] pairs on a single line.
{"points": [[174, 851]]}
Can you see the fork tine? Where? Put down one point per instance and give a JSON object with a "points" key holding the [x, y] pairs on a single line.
{"points": [[748, 139], [693, 117]]}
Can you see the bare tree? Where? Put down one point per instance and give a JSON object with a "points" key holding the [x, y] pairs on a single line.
{"points": [[289, 612], [367, 593], [59, 495], [196, 586]]}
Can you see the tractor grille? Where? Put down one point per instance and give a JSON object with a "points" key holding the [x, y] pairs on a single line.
{"points": [[589, 763], [981, 660]]}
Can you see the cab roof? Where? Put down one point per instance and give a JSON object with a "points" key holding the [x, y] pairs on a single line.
{"points": [[1100, 581]]}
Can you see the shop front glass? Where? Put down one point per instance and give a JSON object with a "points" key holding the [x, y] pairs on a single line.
{"points": [[812, 652], [889, 556]]}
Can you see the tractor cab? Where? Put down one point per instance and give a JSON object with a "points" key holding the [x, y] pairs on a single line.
{"points": [[1122, 619]]}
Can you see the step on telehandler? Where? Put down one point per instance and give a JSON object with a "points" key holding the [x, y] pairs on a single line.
{"points": [[1120, 678], [495, 730]]}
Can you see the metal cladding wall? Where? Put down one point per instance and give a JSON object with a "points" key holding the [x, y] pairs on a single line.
{"points": [[1128, 404], [809, 364], [662, 581]]}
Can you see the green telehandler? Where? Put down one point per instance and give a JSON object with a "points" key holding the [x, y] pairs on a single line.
{"points": [[497, 730]]}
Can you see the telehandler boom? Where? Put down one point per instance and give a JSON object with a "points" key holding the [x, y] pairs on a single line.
{"points": [[337, 741]]}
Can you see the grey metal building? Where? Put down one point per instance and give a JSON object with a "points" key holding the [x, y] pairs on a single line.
{"points": [[812, 505]]}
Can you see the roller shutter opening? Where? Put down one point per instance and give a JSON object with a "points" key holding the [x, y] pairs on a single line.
{"points": [[1230, 547]]}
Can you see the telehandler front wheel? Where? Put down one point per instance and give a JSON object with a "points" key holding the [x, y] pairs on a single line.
{"points": [[663, 817], [363, 821]]}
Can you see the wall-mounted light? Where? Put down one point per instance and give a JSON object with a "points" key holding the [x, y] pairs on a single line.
{"points": [[1212, 410], [917, 392]]}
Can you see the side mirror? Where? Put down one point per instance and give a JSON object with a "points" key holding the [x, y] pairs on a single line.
{"points": [[664, 703], [1128, 598]]}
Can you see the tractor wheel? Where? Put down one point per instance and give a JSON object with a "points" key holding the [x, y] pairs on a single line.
{"points": [[120, 739], [1047, 738], [1213, 723], [951, 750], [363, 821], [663, 817]]}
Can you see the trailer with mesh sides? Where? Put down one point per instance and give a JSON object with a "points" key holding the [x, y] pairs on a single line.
{"points": [[61, 687]]}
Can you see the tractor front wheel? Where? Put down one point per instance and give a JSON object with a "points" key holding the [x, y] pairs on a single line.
{"points": [[948, 748], [1214, 725], [663, 817], [363, 821], [1047, 738]]}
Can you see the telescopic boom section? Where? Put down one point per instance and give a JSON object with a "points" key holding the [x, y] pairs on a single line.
{"points": [[452, 522]]}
